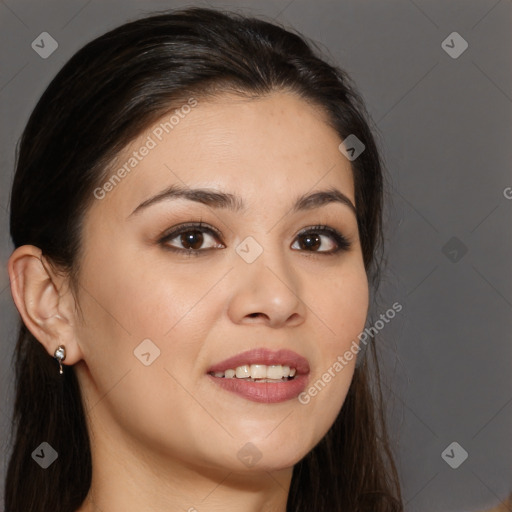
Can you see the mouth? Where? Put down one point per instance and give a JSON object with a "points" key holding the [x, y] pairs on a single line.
{"points": [[262, 375]]}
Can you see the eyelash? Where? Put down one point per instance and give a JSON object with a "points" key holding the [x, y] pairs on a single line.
{"points": [[342, 242]]}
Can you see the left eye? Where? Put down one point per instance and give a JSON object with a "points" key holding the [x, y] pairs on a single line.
{"points": [[311, 239]]}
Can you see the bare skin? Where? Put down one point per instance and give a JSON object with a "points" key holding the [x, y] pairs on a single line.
{"points": [[165, 437]]}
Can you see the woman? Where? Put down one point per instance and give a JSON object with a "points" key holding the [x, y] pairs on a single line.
{"points": [[196, 214]]}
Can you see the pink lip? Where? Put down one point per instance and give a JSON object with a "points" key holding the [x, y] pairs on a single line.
{"points": [[266, 392], [266, 357]]}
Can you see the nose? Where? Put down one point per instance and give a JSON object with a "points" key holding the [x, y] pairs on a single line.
{"points": [[266, 291]]}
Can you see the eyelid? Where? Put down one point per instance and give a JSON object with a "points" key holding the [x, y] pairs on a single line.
{"points": [[189, 226]]}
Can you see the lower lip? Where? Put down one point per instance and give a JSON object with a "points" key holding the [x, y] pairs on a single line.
{"points": [[266, 392]]}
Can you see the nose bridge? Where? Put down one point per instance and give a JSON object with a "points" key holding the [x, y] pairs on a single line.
{"points": [[265, 283], [260, 252]]}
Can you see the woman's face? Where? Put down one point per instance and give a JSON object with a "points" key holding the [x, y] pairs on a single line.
{"points": [[156, 319]]}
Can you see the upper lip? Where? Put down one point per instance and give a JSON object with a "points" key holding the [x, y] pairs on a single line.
{"points": [[264, 356]]}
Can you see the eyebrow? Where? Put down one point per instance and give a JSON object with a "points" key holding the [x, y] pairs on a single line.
{"points": [[217, 199]]}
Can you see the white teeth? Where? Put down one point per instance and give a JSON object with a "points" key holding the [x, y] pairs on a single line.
{"points": [[274, 372], [261, 372], [242, 371]]}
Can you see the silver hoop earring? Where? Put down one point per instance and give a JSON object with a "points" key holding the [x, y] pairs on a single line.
{"points": [[60, 355]]}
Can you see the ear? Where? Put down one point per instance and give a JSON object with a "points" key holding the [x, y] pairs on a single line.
{"points": [[44, 301]]}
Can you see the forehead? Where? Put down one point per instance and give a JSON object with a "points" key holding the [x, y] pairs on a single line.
{"points": [[262, 149]]}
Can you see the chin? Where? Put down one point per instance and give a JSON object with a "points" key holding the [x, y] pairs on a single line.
{"points": [[271, 457]]}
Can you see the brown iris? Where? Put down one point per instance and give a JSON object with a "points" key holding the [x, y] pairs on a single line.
{"points": [[192, 238], [311, 241]]}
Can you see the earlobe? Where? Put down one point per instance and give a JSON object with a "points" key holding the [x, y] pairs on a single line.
{"points": [[36, 291]]}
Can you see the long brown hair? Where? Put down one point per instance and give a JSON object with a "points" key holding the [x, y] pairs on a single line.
{"points": [[106, 95]]}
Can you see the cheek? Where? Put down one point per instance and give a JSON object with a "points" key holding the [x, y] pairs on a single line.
{"points": [[348, 319], [342, 308], [141, 296], [342, 311]]}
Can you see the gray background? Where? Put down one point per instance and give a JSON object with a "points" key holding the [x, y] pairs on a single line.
{"points": [[444, 125]]}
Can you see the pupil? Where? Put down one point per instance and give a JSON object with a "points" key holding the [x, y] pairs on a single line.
{"points": [[312, 241], [188, 239]]}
